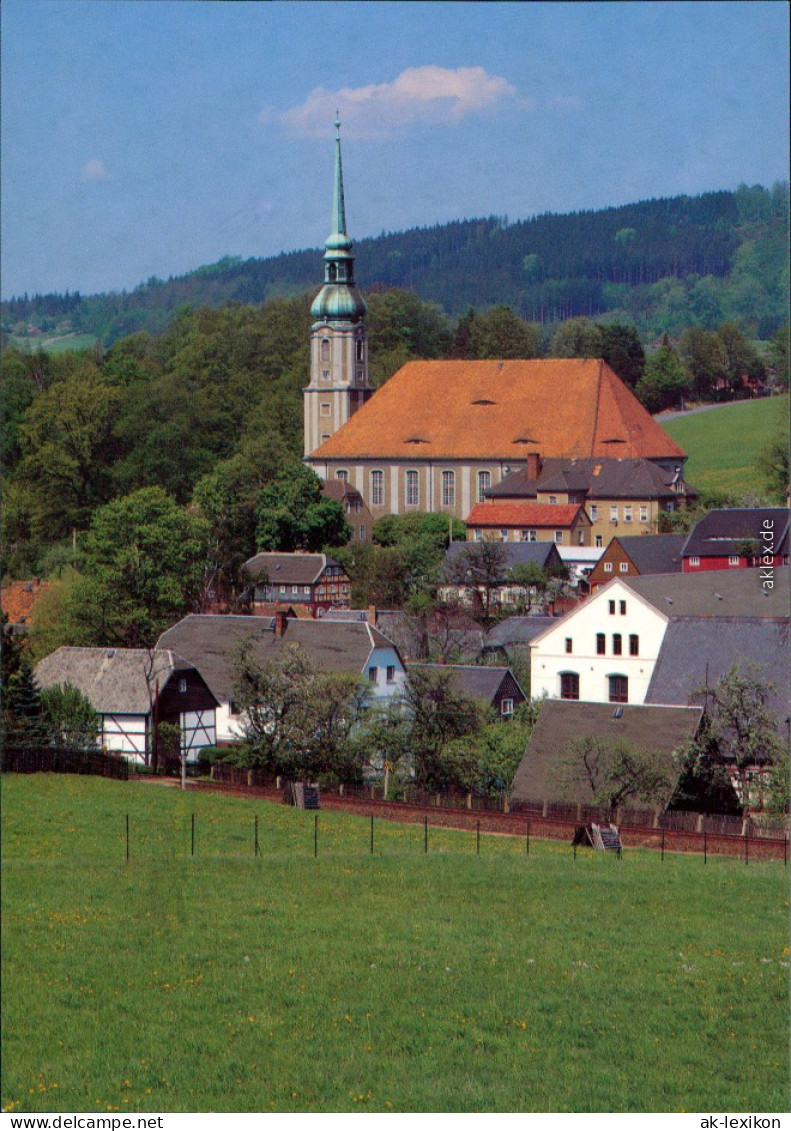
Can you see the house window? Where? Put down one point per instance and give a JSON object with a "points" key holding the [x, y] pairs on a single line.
{"points": [[643, 513], [523, 535], [733, 559], [182, 685], [391, 673], [507, 708], [600, 645], [569, 644], [377, 488], [559, 536], [362, 532], [503, 535], [325, 437], [325, 409], [627, 514], [634, 645], [343, 475], [325, 350], [569, 685], [622, 608], [608, 567], [619, 689], [359, 348], [306, 590], [282, 588], [593, 510], [623, 567], [372, 674], [617, 644], [580, 537], [448, 489], [325, 374], [613, 514], [599, 541], [295, 589], [553, 499], [412, 489], [484, 483], [694, 560], [478, 535], [532, 536], [233, 707], [611, 605]]}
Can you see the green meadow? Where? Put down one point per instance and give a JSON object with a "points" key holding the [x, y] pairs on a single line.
{"points": [[723, 443], [398, 980]]}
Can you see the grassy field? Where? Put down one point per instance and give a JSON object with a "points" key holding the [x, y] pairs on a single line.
{"points": [[398, 981], [723, 443], [54, 343]]}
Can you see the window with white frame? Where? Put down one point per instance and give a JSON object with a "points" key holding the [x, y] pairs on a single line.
{"points": [[377, 488], [599, 541], [532, 536], [484, 483], [325, 374], [359, 350], [623, 567], [412, 489], [733, 559], [503, 535], [326, 409], [613, 514], [694, 560], [362, 532], [558, 536], [643, 512], [448, 489], [627, 514], [553, 499], [506, 707], [608, 567], [478, 535], [593, 511], [342, 474]]}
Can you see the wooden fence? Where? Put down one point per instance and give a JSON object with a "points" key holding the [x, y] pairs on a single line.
{"points": [[62, 760]]}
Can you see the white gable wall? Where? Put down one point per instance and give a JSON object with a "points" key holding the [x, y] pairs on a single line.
{"points": [[549, 657]]}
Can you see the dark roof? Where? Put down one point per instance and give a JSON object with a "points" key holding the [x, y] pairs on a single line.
{"points": [[715, 593], [541, 775], [515, 631], [653, 553], [601, 478], [544, 554], [419, 637], [699, 651], [718, 532], [287, 569], [210, 643], [478, 680], [114, 679]]}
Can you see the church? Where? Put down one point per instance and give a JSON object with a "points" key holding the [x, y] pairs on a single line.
{"points": [[439, 435]]}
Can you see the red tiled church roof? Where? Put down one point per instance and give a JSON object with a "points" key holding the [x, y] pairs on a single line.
{"points": [[565, 407], [523, 514]]}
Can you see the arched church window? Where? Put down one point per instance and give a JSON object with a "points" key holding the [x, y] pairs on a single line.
{"points": [[359, 346], [325, 349], [332, 273]]}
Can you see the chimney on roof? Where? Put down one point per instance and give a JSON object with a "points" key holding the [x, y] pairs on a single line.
{"points": [[371, 616], [281, 618], [534, 465]]}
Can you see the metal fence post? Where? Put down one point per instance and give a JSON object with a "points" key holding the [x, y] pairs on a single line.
{"points": [[192, 839], [478, 839], [704, 846], [527, 840], [127, 838], [372, 834], [746, 848], [315, 835], [663, 846], [256, 848], [425, 834]]}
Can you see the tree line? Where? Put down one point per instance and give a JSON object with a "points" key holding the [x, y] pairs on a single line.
{"points": [[662, 264]]}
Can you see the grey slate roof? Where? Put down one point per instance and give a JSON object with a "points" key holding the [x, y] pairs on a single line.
{"points": [[287, 569], [210, 643], [654, 553], [715, 593], [700, 650], [544, 554], [540, 775], [601, 478], [114, 679], [516, 631], [478, 680], [719, 532]]}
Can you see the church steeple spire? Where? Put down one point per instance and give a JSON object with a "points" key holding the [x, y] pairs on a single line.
{"points": [[339, 340]]}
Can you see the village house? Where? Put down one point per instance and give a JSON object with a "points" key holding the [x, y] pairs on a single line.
{"points": [[438, 435], [620, 495], [357, 513], [547, 771], [640, 554], [738, 538], [211, 643], [565, 525], [132, 690], [607, 648], [497, 687], [503, 590], [311, 581]]}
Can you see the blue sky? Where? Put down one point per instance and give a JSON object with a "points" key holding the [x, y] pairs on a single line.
{"points": [[149, 137]]}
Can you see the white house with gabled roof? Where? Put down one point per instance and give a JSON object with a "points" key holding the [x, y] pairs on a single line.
{"points": [[603, 651]]}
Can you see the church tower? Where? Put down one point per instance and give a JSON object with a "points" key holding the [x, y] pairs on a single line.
{"points": [[338, 337]]}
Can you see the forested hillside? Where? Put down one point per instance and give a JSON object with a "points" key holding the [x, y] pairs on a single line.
{"points": [[661, 265]]}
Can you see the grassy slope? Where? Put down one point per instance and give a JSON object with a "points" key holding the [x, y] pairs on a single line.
{"points": [[397, 981], [723, 443]]}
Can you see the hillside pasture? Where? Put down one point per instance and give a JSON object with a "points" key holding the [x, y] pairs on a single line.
{"points": [[723, 443], [394, 981]]}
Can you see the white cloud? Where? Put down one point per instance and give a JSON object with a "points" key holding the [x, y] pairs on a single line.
{"points": [[94, 170], [430, 94]]}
